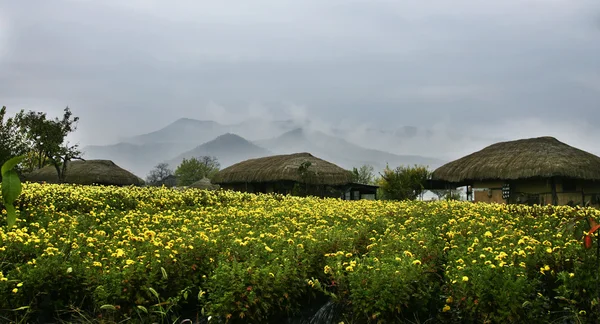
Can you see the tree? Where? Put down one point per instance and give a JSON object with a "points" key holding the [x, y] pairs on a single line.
{"points": [[440, 193], [11, 141], [194, 169], [46, 139], [453, 194], [160, 172], [364, 175], [447, 194], [403, 182], [307, 176]]}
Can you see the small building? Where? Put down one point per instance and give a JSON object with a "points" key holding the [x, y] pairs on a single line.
{"points": [[89, 172], [299, 174], [168, 181], [204, 184], [530, 171], [357, 191]]}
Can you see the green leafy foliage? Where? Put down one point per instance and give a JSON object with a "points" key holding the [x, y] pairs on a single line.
{"points": [[194, 169], [11, 215], [11, 164], [11, 188], [47, 139], [258, 258], [365, 174], [11, 142], [403, 183]]}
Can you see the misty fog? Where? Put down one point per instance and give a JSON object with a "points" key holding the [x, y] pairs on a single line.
{"points": [[436, 79]]}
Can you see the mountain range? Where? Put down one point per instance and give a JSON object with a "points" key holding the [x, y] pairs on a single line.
{"points": [[228, 148], [339, 151], [186, 138]]}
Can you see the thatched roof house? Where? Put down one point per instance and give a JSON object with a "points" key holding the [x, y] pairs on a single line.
{"points": [[299, 173], [204, 183], [544, 167], [541, 157], [102, 172], [283, 167]]}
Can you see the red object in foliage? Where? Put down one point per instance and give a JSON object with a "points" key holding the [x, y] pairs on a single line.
{"points": [[592, 222], [594, 229], [587, 242]]}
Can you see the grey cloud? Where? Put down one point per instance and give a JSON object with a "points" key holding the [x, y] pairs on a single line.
{"points": [[128, 67]]}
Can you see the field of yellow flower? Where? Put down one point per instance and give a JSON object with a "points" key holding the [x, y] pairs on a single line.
{"points": [[107, 254]]}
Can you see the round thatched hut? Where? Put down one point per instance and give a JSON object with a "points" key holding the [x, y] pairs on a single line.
{"points": [[300, 172], [535, 170], [101, 172], [205, 184]]}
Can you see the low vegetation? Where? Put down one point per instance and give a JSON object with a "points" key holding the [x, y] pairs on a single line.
{"points": [[195, 168], [188, 172], [106, 254]]}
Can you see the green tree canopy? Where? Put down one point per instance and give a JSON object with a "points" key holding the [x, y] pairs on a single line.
{"points": [[403, 182], [364, 175], [194, 169], [47, 139], [11, 141]]}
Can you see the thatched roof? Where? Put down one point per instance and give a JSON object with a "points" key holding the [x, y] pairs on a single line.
{"points": [[103, 172], [541, 157], [284, 168], [204, 183]]}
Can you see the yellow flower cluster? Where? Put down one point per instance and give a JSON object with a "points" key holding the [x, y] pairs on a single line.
{"points": [[109, 230]]}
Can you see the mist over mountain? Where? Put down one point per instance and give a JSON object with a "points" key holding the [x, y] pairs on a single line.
{"points": [[340, 151], [136, 158], [438, 80], [181, 138], [252, 138], [183, 130], [228, 148]]}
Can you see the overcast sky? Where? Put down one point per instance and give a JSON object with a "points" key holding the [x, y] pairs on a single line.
{"points": [[497, 68]]}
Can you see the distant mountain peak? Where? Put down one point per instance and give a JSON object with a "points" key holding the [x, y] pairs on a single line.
{"points": [[229, 140], [192, 122], [301, 132], [304, 133], [181, 130], [229, 148], [229, 137], [185, 120], [297, 131]]}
